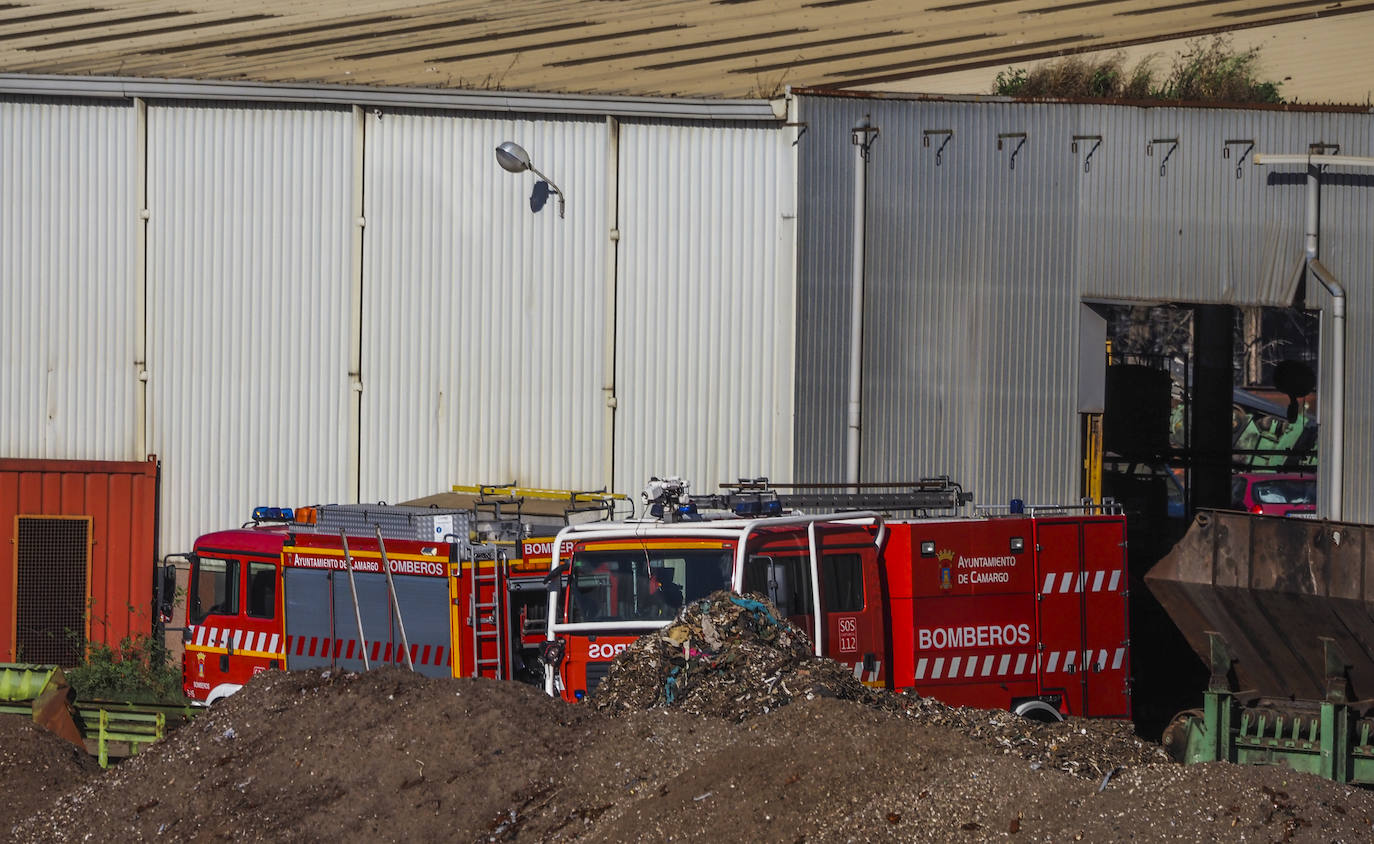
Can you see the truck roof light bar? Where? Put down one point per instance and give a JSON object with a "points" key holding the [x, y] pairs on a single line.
{"points": [[670, 499]]}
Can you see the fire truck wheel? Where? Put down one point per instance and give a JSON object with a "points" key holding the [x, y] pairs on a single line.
{"points": [[221, 692], [1038, 710]]}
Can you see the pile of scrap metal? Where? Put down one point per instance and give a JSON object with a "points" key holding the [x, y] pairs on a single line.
{"points": [[727, 656]]}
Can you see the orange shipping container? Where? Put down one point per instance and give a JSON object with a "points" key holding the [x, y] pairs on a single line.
{"points": [[82, 546]]}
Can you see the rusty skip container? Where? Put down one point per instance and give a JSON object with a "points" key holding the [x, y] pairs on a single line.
{"points": [[80, 540], [1273, 588]]}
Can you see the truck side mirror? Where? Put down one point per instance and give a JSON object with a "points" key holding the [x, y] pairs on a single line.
{"points": [[166, 592]]}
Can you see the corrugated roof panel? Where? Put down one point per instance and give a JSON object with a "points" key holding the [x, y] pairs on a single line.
{"points": [[484, 314], [248, 278], [705, 290], [67, 225], [659, 47]]}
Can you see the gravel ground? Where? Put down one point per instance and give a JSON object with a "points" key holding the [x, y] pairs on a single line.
{"points": [[394, 756]]}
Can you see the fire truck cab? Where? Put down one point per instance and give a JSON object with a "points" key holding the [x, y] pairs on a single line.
{"points": [[447, 590]]}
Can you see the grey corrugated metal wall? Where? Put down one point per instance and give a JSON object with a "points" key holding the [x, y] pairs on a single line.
{"points": [[976, 269]]}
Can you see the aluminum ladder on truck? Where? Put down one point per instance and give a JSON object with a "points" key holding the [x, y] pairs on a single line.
{"points": [[489, 658]]}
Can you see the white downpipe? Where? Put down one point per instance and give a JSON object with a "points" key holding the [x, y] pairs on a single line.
{"points": [[612, 268], [355, 313], [1337, 463], [141, 278], [1311, 242], [861, 139], [814, 548]]}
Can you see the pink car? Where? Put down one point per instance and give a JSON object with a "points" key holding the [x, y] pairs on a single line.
{"points": [[1274, 494]]}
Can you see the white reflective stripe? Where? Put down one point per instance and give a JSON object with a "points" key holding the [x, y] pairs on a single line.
{"points": [[259, 641], [969, 668], [1065, 582], [939, 667], [1020, 663], [1116, 580], [1049, 583], [1082, 580], [921, 669], [1097, 580], [276, 640], [1120, 655], [1002, 666], [954, 666], [1102, 659], [987, 664], [877, 669], [1054, 662], [238, 640], [858, 670], [200, 635], [1068, 659]]}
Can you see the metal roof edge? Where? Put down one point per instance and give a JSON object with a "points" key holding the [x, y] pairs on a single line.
{"points": [[993, 98], [116, 87]]}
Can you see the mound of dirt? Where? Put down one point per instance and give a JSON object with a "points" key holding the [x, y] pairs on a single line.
{"points": [[754, 739], [36, 766]]}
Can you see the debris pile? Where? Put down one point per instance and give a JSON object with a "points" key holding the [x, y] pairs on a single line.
{"points": [[726, 656], [1091, 748], [735, 657], [36, 766]]}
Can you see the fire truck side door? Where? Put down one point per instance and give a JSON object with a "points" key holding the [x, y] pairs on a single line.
{"points": [[851, 608]]}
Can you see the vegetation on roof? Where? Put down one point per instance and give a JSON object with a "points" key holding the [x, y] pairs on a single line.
{"points": [[1209, 71]]}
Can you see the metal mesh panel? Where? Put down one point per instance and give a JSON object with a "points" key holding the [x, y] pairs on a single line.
{"points": [[51, 595]]}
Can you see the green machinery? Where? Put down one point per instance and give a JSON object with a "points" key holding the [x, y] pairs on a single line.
{"points": [[1280, 609], [1328, 738], [41, 692]]}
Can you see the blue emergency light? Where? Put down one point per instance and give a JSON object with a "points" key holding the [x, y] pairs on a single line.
{"points": [[274, 514], [758, 507]]}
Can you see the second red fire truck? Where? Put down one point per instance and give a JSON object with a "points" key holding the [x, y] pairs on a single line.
{"points": [[1022, 610]]}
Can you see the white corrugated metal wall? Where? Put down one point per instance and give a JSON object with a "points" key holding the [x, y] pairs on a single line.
{"points": [[705, 325], [481, 321], [67, 223], [248, 309], [483, 318]]}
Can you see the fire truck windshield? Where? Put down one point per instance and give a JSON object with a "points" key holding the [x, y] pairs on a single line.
{"points": [[641, 584], [214, 588]]}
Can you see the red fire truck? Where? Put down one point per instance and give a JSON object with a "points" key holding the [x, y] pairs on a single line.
{"points": [[451, 586], [1023, 611]]}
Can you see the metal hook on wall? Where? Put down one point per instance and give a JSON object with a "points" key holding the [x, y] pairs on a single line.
{"points": [[1020, 142], [939, 151], [1150, 150], [1087, 161], [1226, 151]]}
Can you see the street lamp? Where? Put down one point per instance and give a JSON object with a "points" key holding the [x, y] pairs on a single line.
{"points": [[513, 159]]}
